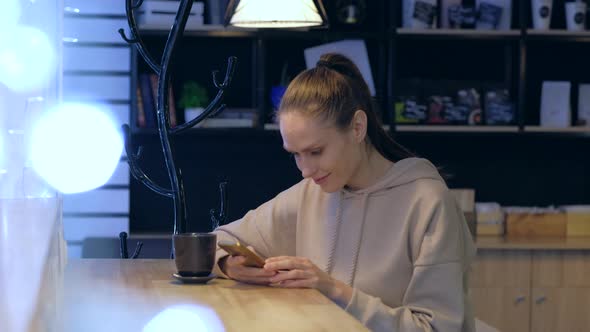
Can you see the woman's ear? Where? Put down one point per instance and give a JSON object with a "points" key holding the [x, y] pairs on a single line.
{"points": [[359, 126]]}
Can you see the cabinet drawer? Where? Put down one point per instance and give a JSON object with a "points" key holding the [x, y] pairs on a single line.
{"points": [[102, 58], [561, 269], [501, 268], [94, 7], [560, 309], [506, 309], [89, 87], [101, 201], [94, 30]]}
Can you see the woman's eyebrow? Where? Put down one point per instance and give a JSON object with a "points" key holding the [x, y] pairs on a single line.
{"points": [[309, 148]]}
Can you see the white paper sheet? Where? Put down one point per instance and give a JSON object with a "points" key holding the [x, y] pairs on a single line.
{"points": [[555, 104], [355, 49], [584, 104]]}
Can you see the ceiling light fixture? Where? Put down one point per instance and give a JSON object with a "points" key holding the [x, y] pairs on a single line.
{"points": [[276, 14]]}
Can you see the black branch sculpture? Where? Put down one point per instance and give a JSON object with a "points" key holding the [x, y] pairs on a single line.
{"points": [[176, 190]]}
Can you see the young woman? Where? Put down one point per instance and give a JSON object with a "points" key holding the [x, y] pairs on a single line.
{"points": [[371, 227]]}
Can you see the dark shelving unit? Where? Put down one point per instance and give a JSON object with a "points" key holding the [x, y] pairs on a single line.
{"points": [[514, 59]]}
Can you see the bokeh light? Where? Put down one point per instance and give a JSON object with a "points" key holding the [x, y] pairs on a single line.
{"points": [[185, 318], [75, 147], [9, 16], [27, 60], [2, 151]]}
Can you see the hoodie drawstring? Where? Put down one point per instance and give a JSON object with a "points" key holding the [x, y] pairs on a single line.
{"points": [[357, 244], [335, 235]]}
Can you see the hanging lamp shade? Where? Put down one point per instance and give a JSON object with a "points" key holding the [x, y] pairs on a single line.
{"points": [[275, 13]]}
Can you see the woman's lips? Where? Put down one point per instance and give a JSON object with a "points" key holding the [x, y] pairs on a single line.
{"points": [[320, 180]]}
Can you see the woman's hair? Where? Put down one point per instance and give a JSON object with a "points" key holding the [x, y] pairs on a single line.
{"points": [[334, 90]]}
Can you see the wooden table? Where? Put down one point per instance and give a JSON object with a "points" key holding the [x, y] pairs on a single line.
{"points": [[126, 295]]}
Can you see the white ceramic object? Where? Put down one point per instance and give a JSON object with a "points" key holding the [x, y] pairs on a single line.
{"points": [[541, 13], [575, 16]]}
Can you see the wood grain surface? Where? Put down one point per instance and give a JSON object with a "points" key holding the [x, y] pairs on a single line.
{"points": [[133, 295], [540, 243]]}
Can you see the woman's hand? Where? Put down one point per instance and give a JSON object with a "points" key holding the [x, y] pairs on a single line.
{"points": [[300, 272], [233, 267]]}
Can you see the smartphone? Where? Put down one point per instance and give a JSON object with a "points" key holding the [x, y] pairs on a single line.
{"points": [[236, 249]]}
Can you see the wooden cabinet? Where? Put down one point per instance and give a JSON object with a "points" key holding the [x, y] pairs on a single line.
{"points": [[515, 288], [505, 308], [500, 289], [560, 291]]}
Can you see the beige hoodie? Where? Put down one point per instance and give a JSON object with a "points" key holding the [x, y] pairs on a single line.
{"points": [[402, 244]]}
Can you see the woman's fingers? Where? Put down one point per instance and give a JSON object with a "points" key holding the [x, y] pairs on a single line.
{"points": [[235, 260], [255, 272], [287, 263], [236, 270], [247, 276], [255, 280], [237, 263], [299, 283], [291, 275]]}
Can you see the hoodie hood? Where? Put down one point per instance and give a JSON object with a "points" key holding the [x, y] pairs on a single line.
{"points": [[402, 172]]}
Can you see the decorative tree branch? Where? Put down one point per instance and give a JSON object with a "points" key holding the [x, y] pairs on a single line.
{"points": [[123, 244], [176, 192], [213, 108], [221, 217], [133, 158], [136, 38]]}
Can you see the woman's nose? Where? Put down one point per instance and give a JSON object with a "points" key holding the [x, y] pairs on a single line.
{"points": [[307, 169]]}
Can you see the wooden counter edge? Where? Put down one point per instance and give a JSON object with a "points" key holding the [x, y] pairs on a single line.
{"points": [[523, 243]]}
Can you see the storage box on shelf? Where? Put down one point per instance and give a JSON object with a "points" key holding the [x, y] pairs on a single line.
{"points": [[578, 220], [544, 224], [489, 219]]}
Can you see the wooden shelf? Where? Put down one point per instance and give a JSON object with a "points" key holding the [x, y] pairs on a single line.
{"points": [[210, 30], [271, 126], [559, 35], [456, 129], [500, 242], [569, 130], [214, 131], [572, 131], [458, 33], [275, 126], [206, 30]]}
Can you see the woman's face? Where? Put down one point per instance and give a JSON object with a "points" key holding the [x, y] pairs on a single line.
{"points": [[322, 152]]}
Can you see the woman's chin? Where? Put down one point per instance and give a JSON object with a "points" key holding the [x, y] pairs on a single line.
{"points": [[329, 189]]}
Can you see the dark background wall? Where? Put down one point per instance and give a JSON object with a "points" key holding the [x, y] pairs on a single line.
{"points": [[520, 168], [512, 169]]}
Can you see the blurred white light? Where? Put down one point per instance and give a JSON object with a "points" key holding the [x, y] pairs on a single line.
{"points": [[69, 9], [75, 147], [2, 151], [185, 318], [69, 40], [275, 14], [9, 16], [27, 60]]}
